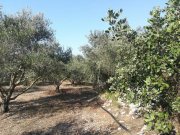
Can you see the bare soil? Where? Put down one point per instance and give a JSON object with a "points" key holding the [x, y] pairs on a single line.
{"points": [[78, 111]]}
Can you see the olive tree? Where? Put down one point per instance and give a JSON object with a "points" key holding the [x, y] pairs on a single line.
{"points": [[101, 56], [24, 47], [57, 70], [77, 70]]}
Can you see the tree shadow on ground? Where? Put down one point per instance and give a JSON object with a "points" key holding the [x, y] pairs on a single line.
{"points": [[67, 128], [52, 104], [40, 88], [72, 100]]}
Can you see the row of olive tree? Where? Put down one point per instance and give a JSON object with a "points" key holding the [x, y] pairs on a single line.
{"points": [[28, 52], [100, 57], [143, 64]]}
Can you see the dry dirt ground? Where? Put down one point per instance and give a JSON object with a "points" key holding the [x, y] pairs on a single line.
{"points": [[41, 111]]}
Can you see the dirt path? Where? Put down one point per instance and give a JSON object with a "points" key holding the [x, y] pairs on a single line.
{"points": [[77, 112]]}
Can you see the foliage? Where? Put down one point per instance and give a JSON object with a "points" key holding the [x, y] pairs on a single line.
{"points": [[24, 40], [93, 53], [77, 69], [151, 75], [58, 61], [159, 121], [176, 105], [112, 95], [101, 57]]}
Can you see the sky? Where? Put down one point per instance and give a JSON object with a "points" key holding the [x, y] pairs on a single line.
{"points": [[72, 20]]}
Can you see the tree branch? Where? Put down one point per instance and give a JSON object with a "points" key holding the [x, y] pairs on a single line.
{"points": [[20, 80], [63, 80], [26, 89], [2, 92], [12, 80]]}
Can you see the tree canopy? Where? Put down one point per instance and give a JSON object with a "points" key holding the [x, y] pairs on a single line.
{"points": [[28, 52]]}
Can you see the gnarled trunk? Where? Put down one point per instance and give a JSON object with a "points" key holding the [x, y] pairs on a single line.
{"points": [[5, 105], [58, 84], [57, 88]]}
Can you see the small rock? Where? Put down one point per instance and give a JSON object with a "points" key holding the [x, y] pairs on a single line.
{"points": [[116, 114], [141, 132], [109, 109], [119, 128], [133, 109], [121, 102], [108, 104]]}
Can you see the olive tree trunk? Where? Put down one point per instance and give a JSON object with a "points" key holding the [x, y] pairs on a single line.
{"points": [[7, 95], [5, 105], [58, 87], [58, 84]]}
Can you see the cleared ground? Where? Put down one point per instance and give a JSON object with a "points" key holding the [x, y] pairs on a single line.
{"points": [[78, 111]]}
